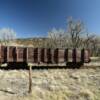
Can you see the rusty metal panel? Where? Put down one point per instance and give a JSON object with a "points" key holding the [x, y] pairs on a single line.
{"points": [[66, 55], [56, 55], [0, 55], [30, 54], [42, 54], [7, 50], [26, 54], [78, 55], [49, 55], [16, 54], [61, 56], [70, 57], [82, 55], [11, 54], [21, 54], [86, 56], [52, 57], [3, 54], [39, 55], [35, 55], [45, 55], [74, 55]]}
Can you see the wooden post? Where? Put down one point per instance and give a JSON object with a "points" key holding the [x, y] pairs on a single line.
{"points": [[30, 78]]}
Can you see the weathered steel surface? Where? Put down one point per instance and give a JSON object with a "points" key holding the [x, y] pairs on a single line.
{"points": [[78, 55], [86, 56], [42, 55], [70, 55]]}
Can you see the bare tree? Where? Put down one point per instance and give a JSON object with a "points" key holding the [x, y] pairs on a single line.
{"points": [[72, 38], [86, 41], [56, 38], [76, 36], [95, 47], [75, 30], [7, 35]]}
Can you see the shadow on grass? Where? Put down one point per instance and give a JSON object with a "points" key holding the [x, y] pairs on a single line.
{"points": [[18, 66], [6, 91]]}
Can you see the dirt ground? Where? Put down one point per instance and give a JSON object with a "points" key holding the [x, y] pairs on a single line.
{"points": [[51, 84]]}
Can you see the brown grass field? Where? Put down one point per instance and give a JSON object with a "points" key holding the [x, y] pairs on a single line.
{"points": [[51, 84]]}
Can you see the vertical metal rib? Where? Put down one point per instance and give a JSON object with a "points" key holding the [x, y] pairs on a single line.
{"points": [[0, 55], [35, 55], [26, 53], [42, 55], [16, 52], [74, 55], [7, 59], [66, 55], [56, 51], [49, 55], [82, 55]]}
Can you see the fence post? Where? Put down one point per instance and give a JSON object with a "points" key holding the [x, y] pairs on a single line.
{"points": [[30, 78]]}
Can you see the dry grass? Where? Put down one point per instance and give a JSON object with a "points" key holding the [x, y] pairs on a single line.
{"points": [[51, 84]]}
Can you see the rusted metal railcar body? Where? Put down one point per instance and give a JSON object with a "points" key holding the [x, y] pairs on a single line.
{"points": [[42, 55]]}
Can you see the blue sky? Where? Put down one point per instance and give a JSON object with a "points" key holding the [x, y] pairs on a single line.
{"points": [[32, 18]]}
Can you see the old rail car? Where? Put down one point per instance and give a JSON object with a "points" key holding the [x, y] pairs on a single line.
{"points": [[40, 56]]}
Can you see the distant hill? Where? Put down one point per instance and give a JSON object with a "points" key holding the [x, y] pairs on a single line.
{"points": [[35, 42]]}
